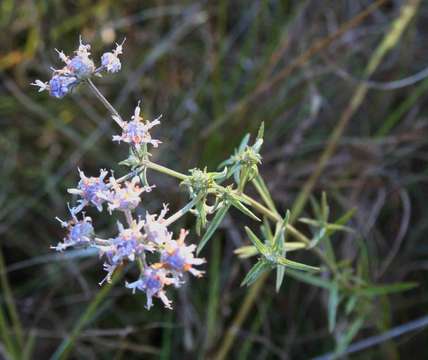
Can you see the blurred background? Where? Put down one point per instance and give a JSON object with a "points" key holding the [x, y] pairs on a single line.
{"points": [[216, 70]]}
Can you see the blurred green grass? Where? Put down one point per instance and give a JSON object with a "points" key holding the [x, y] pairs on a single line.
{"points": [[193, 62]]}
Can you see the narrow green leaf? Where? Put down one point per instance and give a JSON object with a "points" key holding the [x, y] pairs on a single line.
{"points": [[244, 143], [293, 246], [346, 217], [317, 238], [335, 227], [329, 251], [266, 231], [259, 268], [315, 223], [256, 241], [348, 336], [387, 289], [333, 303], [237, 174], [241, 207], [212, 227], [350, 304], [280, 272], [315, 207], [296, 265], [280, 235], [250, 250], [308, 278], [263, 191], [246, 251], [261, 131], [325, 210]]}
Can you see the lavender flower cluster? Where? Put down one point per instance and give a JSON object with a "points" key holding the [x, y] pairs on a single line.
{"points": [[78, 68], [139, 238]]}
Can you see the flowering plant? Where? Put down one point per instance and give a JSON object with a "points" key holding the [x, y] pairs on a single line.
{"points": [[162, 258]]}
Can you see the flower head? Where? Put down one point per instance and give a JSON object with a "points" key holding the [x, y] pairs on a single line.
{"points": [[125, 196], [129, 242], [152, 282], [80, 65], [110, 60], [155, 229], [136, 131], [127, 245], [80, 232], [180, 258], [59, 85], [90, 189]]}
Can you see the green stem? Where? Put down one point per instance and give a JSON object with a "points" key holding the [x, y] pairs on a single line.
{"points": [[276, 218], [163, 170], [253, 203]]}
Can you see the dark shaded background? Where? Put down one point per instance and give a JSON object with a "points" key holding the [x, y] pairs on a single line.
{"points": [[193, 62]]}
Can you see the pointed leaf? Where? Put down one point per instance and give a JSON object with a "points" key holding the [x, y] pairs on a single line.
{"points": [[333, 303], [308, 278], [325, 210], [261, 131], [259, 268], [263, 190], [280, 235], [296, 265], [346, 338], [315, 223], [280, 272], [293, 246], [246, 251], [266, 231], [256, 241], [317, 238], [346, 217], [315, 207], [250, 250], [244, 143], [331, 228], [350, 304], [387, 289], [241, 207], [215, 223]]}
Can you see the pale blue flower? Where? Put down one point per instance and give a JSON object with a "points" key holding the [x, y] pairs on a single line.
{"points": [[125, 196], [179, 258], [155, 229], [90, 189], [152, 282], [80, 232], [110, 60], [129, 242], [61, 85], [137, 131], [81, 66]]}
